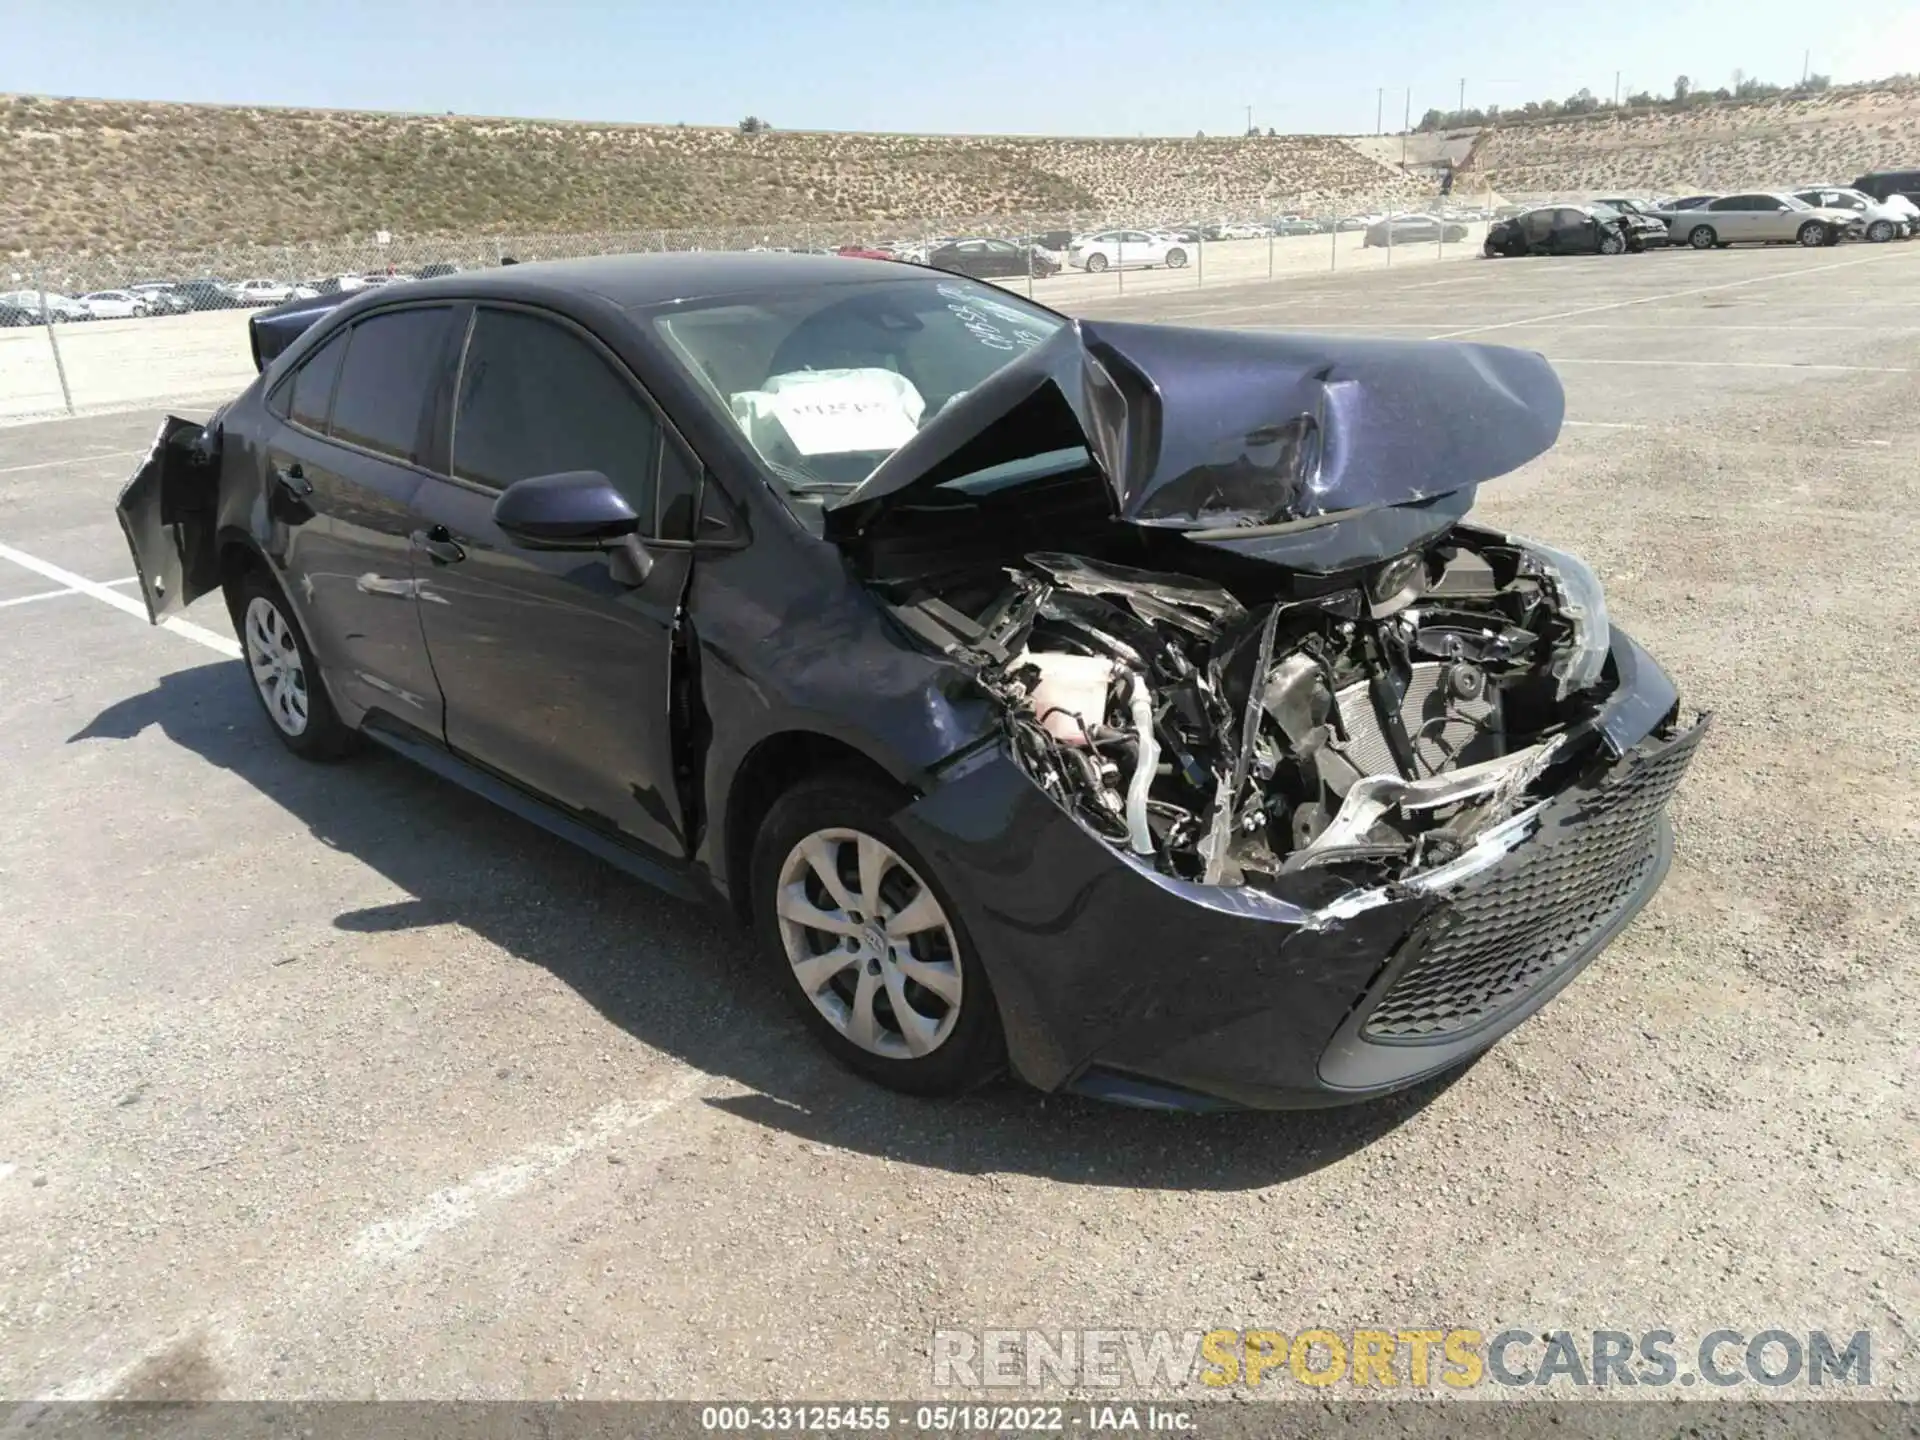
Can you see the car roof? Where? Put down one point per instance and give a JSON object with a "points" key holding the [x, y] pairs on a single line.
{"points": [[633, 281]]}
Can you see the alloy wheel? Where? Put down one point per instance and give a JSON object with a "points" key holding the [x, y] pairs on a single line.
{"points": [[273, 654], [869, 943]]}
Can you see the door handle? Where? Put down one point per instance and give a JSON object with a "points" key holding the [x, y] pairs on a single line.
{"points": [[293, 478], [440, 545]]}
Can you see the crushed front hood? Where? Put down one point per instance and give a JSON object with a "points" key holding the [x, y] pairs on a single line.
{"points": [[1227, 433]]}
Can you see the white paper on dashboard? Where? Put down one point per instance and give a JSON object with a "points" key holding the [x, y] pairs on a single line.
{"points": [[832, 412]]}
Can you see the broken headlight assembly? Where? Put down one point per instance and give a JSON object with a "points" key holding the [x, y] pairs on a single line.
{"points": [[1582, 605]]}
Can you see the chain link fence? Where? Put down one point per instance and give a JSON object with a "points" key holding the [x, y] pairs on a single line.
{"points": [[86, 331]]}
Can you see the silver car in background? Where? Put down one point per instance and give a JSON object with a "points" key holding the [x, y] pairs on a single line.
{"points": [[1760, 217]]}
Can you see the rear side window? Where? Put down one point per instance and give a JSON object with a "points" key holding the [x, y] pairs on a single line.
{"points": [[313, 385], [538, 399], [391, 365]]}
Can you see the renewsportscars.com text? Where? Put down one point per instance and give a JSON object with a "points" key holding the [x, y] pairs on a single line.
{"points": [[1417, 1358]]}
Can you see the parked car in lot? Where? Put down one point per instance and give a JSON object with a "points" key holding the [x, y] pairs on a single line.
{"points": [[162, 296], [12, 315], [206, 294], [1565, 230], [115, 305], [1414, 230], [1885, 184], [1880, 220], [51, 304], [1642, 224], [985, 259], [1759, 218], [268, 292], [1126, 250], [869, 601]]}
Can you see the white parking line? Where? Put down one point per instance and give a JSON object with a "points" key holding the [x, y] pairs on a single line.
{"points": [[186, 629], [385, 1241], [1605, 425], [71, 460], [56, 594], [1656, 299]]}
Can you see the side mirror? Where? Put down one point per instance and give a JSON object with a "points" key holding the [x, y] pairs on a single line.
{"points": [[574, 510]]}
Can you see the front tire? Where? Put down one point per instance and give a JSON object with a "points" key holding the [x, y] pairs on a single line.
{"points": [[286, 679], [1813, 234], [1880, 232], [1096, 263], [1611, 245], [1176, 259], [864, 943], [1701, 237]]}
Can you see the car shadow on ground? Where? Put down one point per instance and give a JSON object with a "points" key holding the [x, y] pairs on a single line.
{"points": [[681, 977]]}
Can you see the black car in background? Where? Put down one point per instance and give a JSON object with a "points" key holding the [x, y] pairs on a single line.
{"points": [[1414, 230], [1642, 224], [937, 633], [1563, 230], [11, 315], [989, 259], [206, 295], [1881, 184]]}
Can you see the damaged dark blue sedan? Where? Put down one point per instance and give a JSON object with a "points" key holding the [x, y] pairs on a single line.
{"points": [[1134, 707]]}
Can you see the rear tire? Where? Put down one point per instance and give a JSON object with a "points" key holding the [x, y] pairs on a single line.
{"points": [[1176, 259], [282, 672], [906, 946], [1701, 237]]}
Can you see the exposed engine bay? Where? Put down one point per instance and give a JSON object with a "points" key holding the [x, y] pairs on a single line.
{"points": [[1390, 720]]}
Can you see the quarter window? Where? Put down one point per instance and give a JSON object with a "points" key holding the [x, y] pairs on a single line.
{"points": [[537, 399], [392, 362], [313, 384]]}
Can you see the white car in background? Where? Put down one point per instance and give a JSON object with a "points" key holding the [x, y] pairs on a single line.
{"points": [[269, 292], [58, 307], [1883, 220], [116, 305], [1125, 250]]}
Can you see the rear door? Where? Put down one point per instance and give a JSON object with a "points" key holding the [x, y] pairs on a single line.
{"points": [[1537, 227], [556, 673], [341, 472]]}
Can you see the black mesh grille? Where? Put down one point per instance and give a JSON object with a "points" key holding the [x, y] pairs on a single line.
{"points": [[1509, 930]]}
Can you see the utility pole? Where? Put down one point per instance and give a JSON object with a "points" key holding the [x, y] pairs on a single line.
{"points": [[1405, 127], [1806, 62], [1463, 100], [1249, 119], [1380, 111], [1616, 89]]}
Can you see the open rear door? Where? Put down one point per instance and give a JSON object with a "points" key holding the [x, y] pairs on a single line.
{"points": [[168, 511]]}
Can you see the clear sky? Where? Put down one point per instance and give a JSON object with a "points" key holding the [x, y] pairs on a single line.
{"points": [[1115, 67]]}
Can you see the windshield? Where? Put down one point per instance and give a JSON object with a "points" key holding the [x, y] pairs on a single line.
{"points": [[1604, 212], [1794, 202], [826, 382]]}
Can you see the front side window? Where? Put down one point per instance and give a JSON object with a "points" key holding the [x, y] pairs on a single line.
{"points": [[825, 382], [392, 362], [536, 398]]}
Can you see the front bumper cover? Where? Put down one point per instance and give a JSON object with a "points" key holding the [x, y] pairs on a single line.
{"points": [[1118, 981]]}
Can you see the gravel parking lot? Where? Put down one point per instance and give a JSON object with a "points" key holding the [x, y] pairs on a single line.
{"points": [[338, 1082]]}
